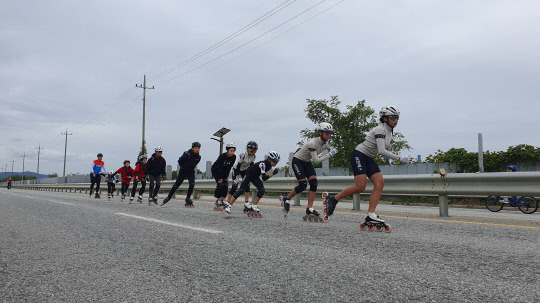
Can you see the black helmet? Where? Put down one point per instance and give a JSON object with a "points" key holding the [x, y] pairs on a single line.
{"points": [[195, 144], [100, 155], [252, 145], [126, 161]]}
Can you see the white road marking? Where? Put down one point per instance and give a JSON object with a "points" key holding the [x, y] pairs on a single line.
{"points": [[206, 230], [65, 203]]}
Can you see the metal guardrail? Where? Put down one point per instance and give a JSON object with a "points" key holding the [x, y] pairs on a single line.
{"points": [[485, 184]]}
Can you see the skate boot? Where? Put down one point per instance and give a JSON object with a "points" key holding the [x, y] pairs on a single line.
{"points": [[189, 202], [329, 203], [248, 208], [226, 209], [97, 196], [219, 205], [286, 206], [312, 216], [122, 198], [139, 199], [91, 194], [150, 201], [154, 199], [109, 197], [167, 199], [256, 213], [131, 199], [373, 221]]}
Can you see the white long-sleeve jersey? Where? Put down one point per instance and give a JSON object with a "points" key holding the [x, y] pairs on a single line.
{"points": [[311, 150], [378, 142]]}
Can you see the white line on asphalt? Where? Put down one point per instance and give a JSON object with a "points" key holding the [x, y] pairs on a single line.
{"points": [[207, 230], [30, 197], [61, 202]]}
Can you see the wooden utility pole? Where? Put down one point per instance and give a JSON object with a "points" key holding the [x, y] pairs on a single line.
{"points": [[65, 151], [144, 87]]}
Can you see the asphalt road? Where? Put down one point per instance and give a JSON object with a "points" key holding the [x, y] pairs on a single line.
{"points": [[66, 247]]}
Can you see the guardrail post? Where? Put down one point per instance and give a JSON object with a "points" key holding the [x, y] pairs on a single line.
{"points": [[443, 205], [297, 200], [356, 201]]}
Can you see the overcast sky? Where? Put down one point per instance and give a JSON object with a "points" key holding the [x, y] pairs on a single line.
{"points": [[453, 68]]}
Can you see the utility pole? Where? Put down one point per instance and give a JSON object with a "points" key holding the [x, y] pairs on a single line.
{"points": [[24, 157], [39, 151], [65, 151], [143, 86], [12, 163]]}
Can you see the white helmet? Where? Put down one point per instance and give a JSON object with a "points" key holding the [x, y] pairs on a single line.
{"points": [[325, 127], [389, 110], [111, 172], [159, 149], [274, 156], [230, 145]]}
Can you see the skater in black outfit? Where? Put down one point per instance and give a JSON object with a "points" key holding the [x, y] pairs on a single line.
{"points": [[111, 184], [188, 162], [254, 173], [155, 169], [221, 170]]}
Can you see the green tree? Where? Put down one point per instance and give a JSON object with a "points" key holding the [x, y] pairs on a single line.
{"points": [[143, 151], [350, 127]]}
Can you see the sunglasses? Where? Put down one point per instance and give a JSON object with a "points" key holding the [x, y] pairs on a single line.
{"points": [[328, 132], [393, 118]]}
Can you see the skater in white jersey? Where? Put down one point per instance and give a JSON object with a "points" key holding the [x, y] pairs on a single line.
{"points": [[364, 166]]}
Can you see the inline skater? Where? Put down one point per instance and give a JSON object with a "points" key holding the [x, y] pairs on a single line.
{"points": [[9, 183], [155, 169], [244, 161], [126, 174], [139, 177], [111, 184], [220, 171], [377, 142], [188, 162], [98, 167], [254, 173], [304, 171]]}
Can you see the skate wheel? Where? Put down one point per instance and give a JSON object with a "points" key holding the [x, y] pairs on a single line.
{"points": [[370, 227], [326, 218], [379, 228], [324, 195], [362, 226], [387, 229], [260, 215], [321, 220], [325, 210], [310, 219], [304, 218], [324, 202]]}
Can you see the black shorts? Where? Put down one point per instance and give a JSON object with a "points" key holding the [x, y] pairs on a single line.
{"points": [[302, 169], [363, 165]]}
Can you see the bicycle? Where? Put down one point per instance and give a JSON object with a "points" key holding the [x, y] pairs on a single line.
{"points": [[527, 205]]}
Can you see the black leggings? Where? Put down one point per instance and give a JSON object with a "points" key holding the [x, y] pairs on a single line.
{"points": [[111, 187], [154, 189], [95, 180], [180, 179], [234, 187], [245, 186], [134, 189], [125, 188], [221, 188]]}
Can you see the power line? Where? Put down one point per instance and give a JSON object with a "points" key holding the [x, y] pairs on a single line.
{"points": [[222, 42]]}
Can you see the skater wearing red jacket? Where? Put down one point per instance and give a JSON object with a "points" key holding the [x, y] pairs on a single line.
{"points": [[127, 173], [140, 176]]}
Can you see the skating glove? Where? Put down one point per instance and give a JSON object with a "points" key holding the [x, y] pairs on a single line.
{"points": [[332, 151], [276, 171], [265, 177], [236, 181], [405, 159]]}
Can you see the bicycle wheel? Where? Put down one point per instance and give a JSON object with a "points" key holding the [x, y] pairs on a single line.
{"points": [[494, 204], [527, 205]]}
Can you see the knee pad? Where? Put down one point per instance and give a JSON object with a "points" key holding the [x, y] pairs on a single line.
{"points": [[261, 192], [302, 185], [313, 184], [238, 193]]}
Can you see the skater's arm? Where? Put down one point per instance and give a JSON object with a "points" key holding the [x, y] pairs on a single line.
{"points": [[381, 149], [316, 158]]}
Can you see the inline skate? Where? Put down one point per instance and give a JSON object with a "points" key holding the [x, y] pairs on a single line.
{"points": [[374, 222], [286, 206], [329, 203], [255, 212], [312, 216], [189, 203]]}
